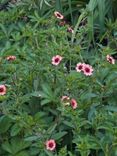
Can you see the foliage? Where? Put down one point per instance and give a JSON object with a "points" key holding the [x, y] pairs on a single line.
{"points": [[31, 111]]}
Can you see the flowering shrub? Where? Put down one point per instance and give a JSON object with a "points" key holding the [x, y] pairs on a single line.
{"points": [[57, 92]]}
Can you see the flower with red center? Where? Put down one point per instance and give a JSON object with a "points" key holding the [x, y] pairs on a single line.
{"points": [[11, 58], [56, 60], [73, 103], [62, 23], [2, 90], [50, 145], [65, 100], [79, 67], [87, 69], [110, 59], [70, 30], [58, 15]]}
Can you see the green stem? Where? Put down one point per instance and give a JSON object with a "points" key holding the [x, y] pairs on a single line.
{"points": [[83, 15]]}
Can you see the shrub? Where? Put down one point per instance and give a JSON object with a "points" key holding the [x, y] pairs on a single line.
{"points": [[58, 91]]}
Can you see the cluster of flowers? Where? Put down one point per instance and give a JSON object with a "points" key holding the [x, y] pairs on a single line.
{"points": [[80, 67], [3, 87], [51, 144], [67, 101], [85, 68], [11, 58], [62, 23]]}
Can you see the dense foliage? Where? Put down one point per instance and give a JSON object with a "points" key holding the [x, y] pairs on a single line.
{"points": [[58, 80]]}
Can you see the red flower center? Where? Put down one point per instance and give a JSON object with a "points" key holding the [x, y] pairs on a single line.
{"points": [[50, 144], [58, 15], [1, 89], [56, 60], [80, 67], [87, 70], [72, 103], [110, 59]]}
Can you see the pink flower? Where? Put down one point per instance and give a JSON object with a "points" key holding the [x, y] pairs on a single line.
{"points": [[50, 145], [87, 69], [79, 67], [110, 59], [65, 100], [62, 23], [70, 30], [56, 60], [2, 90], [73, 103], [10, 58], [58, 15]]}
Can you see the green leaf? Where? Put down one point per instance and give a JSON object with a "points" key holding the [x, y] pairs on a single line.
{"points": [[69, 124], [3, 29], [5, 123], [15, 145], [23, 153], [36, 94], [111, 108], [92, 4], [51, 128], [46, 2], [58, 135], [15, 129], [34, 151], [48, 153], [7, 147], [87, 95], [58, 5], [32, 138], [45, 101], [36, 84], [46, 89]]}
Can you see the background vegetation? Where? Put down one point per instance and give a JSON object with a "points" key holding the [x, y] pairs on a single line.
{"points": [[31, 111]]}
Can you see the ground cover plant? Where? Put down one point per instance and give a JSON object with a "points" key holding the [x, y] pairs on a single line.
{"points": [[58, 79]]}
